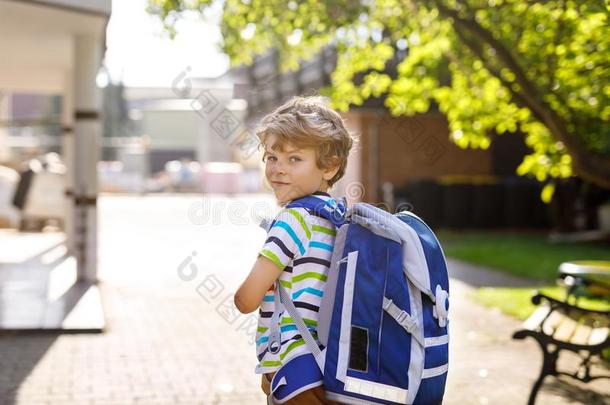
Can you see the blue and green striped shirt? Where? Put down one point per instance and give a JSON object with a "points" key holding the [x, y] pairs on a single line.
{"points": [[301, 244]]}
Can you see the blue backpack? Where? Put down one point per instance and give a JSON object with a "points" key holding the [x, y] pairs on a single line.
{"points": [[383, 336]]}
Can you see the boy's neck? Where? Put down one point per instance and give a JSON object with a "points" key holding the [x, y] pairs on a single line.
{"points": [[319, 192]]}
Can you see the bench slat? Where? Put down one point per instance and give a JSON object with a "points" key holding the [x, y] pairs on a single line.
{"points": [[581, 335], [552, 322], [598, 335], [533, 322], [565, 329], [569, 326]]}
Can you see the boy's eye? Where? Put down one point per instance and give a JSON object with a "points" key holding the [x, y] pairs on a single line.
{"points": [[295, 159], [270, 158]]}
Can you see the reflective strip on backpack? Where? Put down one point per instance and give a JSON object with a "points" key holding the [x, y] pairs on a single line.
{"points": [[434, 372], [418, 353], [346, 316], [376, 390], [436, 340]]}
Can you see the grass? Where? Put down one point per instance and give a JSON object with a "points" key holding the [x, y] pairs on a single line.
{"points": [[523, 255], [516, 301]]}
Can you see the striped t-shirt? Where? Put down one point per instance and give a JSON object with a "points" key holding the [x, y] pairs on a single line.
{"points": [[300, 243]]}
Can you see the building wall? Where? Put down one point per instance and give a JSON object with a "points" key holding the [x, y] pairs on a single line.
{"points": [[400, 149], [171, 129], [351, 185]]}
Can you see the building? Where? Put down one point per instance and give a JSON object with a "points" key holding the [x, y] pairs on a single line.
{"points": [[200, 122], [55, 48]]}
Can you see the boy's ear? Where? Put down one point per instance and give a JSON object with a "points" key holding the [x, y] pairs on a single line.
{"points": [[330, 171]]}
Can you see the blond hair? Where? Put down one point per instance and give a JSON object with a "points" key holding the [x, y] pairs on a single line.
{"points": [[309, 122]]}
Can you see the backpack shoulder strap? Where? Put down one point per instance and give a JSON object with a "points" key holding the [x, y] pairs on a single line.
{"points": [[333, 213], [310, 342]]}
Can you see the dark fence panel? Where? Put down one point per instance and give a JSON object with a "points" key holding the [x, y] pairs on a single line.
{"points": [[487, 205], [425, 199], [477, 203], [457, 205]]}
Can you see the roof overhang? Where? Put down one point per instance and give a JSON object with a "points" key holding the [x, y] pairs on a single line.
{"points": [[37, 41]]}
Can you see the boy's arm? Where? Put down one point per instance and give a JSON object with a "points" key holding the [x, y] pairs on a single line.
{"points": [[251, 292]]}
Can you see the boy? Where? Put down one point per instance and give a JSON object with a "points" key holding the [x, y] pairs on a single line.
{"points": [[306, 147]]}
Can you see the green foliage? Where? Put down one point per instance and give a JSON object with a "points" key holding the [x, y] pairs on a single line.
{"points": [[478, 60]]}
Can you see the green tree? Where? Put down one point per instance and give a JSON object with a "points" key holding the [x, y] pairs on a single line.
{"points": [[492, 66]]}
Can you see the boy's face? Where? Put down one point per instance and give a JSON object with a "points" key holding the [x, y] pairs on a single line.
{"points": [[293, 173]]}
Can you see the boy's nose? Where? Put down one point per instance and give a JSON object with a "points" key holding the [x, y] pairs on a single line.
{"points": [[279, 168]]}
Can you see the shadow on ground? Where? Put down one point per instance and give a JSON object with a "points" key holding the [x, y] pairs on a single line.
{"points": [[566, 387], [19, 355]]}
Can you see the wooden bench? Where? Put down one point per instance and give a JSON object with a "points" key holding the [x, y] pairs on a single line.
{"points": [[557, 326]]}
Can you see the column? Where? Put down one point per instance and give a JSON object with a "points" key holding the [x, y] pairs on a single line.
{"points": [[87, 133], [5, 115], [67, 153]]}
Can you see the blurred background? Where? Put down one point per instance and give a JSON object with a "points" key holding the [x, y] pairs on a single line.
{"points": [[128, 154]]}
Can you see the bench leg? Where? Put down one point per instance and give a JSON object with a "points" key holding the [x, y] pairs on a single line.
{"points": [[549, 361], [535, 388]]}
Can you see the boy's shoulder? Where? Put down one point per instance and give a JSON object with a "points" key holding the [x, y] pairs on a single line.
{"points": [[294, 222], [294, 215], [302, 217]]}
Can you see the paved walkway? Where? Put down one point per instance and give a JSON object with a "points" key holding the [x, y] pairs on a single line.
{"points": [[171, 339]]}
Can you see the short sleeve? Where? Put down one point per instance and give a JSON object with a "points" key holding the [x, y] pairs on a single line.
{"points": [[288, 237]]}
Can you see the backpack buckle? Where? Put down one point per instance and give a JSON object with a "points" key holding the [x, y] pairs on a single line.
{"points": [[274, 343], [402, 316], [407, 322], [337, 211]]}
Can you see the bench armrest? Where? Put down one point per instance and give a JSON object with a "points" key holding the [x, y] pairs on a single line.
{"points": [[538, 297]]}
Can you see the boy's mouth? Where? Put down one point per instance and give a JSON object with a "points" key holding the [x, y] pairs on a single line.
{"points": [[279, 183]]}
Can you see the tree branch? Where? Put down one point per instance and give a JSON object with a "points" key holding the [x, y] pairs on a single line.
{"points": [[478, 52]]}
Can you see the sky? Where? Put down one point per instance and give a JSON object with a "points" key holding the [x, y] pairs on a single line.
{"points": [[141, 55]]}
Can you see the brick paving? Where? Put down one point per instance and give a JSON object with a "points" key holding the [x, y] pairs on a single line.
{"points": [[170, 339]]}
